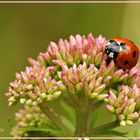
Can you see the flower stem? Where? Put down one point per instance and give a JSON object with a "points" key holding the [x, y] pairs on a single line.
{"points": [[92, 106], [80, 109], [80, 123], [56, 120], [84, 109]]}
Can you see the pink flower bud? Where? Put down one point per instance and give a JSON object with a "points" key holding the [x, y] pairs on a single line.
{"points": [[100, 88], [110, 108], [121, 116]]}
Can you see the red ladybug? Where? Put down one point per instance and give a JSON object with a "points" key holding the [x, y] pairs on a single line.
{"points": [[123, 51]]}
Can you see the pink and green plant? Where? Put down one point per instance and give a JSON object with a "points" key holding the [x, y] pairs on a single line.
{"points": [[65, 85]]}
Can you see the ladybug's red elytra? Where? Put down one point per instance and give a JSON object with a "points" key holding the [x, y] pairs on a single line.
{"points": [[123, 51]]}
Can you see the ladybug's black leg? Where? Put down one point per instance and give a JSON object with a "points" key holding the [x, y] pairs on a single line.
{"points": [[116, 65], [108, 60]]}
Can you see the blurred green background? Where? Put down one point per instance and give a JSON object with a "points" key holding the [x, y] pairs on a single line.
{"points": [[27, 29]]}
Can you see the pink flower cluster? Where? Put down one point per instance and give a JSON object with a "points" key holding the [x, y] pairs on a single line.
{"points": [[78, 66], [33, 85]]}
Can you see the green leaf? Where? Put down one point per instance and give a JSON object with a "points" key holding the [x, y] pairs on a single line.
{"points": [[94, 120], [42, 129], [111, 133]]}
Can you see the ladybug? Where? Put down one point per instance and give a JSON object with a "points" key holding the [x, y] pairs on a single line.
{"points": [[123, 51]]}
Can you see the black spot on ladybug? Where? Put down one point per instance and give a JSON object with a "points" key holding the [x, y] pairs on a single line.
{"points": [[134, 54], [122, 45], [126, 62]]}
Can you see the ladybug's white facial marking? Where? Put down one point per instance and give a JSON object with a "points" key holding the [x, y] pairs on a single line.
{"points": [[120, 49], [107, 52], [108, 43], [111, 54], [118, 42]]}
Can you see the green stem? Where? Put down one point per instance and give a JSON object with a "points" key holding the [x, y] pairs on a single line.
{"points": [[55, 119], [80, 109], [80, 123], [84, 108], [106, 126], [92, 106]]}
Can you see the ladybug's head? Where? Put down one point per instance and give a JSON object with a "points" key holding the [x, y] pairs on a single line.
{"points": [[112, 49]]}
